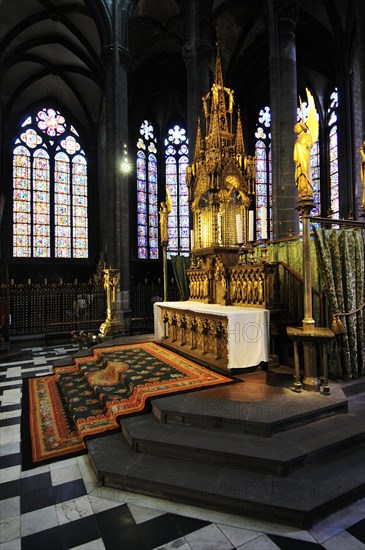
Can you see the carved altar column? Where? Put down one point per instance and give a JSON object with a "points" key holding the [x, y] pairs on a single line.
{"points": [[282, 16]]}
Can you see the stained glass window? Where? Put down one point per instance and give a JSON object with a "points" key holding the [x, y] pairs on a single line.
{"points": [[50, 214], [147, 203], [263, 188], [333, 155], [176, 161]]}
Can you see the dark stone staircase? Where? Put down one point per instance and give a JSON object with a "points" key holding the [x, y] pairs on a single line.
{"points": [[289, 458]]}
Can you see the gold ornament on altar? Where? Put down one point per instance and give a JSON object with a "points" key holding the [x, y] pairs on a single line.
{"points": [[165, 210], [221, 178], [221, 183], [307, 131], [111, 325]]}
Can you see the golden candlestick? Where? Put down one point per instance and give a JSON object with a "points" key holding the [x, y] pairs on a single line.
{"points": [[111, 325]]}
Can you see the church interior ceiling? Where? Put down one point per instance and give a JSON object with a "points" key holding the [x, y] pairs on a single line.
{"points": [[58, 49]]}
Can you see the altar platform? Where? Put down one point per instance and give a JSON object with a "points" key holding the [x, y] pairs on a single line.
{"points": [[225, 337]]}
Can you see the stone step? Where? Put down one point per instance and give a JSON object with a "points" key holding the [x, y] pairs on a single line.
{"points": [[254, 417], [279, 454], [354, 387], [298, 499]]}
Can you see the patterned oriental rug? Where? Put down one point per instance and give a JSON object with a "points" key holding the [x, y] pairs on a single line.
{"points": [[89, 397]]}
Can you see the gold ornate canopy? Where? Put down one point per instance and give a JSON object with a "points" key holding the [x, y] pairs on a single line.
{"points": [[221, 183], [221, 177]]}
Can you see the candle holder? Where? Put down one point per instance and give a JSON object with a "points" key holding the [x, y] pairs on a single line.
{"points": [[242, 254], [251, 253], [264, 251]]}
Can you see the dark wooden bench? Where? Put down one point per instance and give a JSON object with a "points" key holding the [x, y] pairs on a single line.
{"points": [[62, 329]]}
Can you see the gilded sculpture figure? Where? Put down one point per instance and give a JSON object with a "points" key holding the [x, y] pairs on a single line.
{"points": [[165, 210], [307, 131], [361, 150]]}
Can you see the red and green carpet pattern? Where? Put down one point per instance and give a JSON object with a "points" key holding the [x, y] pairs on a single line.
{"points": [[90, 396]]}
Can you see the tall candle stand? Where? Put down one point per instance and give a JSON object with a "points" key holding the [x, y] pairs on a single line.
{"points": [[242, 254], [264, 251], [251, 253]]}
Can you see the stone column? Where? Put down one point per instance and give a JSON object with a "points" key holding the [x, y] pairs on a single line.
{"points": [[360, 37], [197, 54], [116, 223], [282, 16]]}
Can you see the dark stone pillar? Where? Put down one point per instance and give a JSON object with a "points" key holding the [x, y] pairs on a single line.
{"points": [[197, 54], [345, 147], [283, 101], [360, 37], [116, 224]]}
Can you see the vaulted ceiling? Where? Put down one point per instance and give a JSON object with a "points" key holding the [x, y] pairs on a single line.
{"points": [[52, 49]]}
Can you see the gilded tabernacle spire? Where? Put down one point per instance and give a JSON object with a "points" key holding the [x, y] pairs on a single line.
{"points": [[219, 180]]}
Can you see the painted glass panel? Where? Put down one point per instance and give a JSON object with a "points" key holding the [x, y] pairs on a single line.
{"points": [[176, 162], [41, 205], [43, 182], [333, 155], [62, 201], [21, 202], [147, 202], [79, 207], [263, 187]]}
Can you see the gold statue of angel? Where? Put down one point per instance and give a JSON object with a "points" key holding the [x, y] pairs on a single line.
{"points": [[165, 210], [307, 130]]}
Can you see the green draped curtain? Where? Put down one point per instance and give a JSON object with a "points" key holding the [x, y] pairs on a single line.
{"points": [[291, 254], [340, 254], [180, 265]]}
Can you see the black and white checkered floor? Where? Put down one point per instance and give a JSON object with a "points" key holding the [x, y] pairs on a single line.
{"points": [[61, 505]]}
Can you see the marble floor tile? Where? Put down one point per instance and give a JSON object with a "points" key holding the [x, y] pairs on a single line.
{"points": [[260, 543], [35, 471], [208, 537], [343, 540], [178, 544], [14, 372], [10, 414], [11, 397], [92, 545], [8, 382], [9, 529], [63, 475], [38, 520], [9, 434], [10, 507], [101, 504], [88, 473], [39, 361], [15, 544], [236, 535], [141, 513], [9, 474], [72, 510], [338, 521], [9, 448], [63, 463]]}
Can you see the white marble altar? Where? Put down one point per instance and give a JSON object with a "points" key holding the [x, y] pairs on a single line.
{"points": [[248, 334]]}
